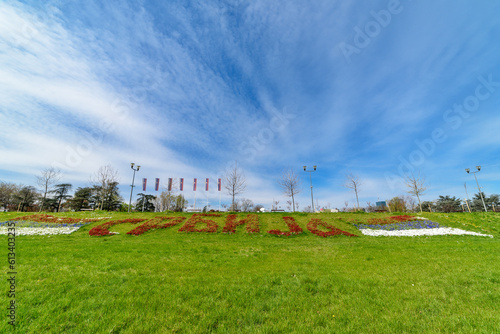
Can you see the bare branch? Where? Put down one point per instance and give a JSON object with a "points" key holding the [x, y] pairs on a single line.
{"points": [[290, 184], [104, 180], [45, 180], [416, 185], [352, 182], [234, 182]]}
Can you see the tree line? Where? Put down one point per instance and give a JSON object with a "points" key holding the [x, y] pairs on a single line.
{"points": [[55, 196], [103, 194]]}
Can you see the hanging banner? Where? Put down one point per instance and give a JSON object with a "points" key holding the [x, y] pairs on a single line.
{"points": [[169, 184], [219, 184], [206, 184], [157, 184], [194, 185], [144, 181], [181, 184]]}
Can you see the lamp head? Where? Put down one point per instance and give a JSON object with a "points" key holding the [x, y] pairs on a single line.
{"points": [[467, 170], [138, 168], [478, 168], [314, 167], [305, 168], [132, 165]]}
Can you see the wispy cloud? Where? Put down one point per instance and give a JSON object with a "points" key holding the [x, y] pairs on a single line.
{"points": [[184, 89]]}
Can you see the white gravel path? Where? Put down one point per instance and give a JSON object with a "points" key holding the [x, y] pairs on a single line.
{"points": [[419, 232]]}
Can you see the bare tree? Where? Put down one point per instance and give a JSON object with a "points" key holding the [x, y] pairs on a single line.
{"points": [[246, 205], [416, 185], [290, 184], [234, 182], [8, 192], [45, 180], [352, 182], [307, 209], [104, 181], [26, 197], [168, 198]]}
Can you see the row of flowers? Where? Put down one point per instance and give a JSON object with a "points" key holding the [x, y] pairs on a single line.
{"points": [[412, 228], [103, 229], [190, 224], [400, 226], [403, 225], [332, 230], [292, 225], [198, 223], [251, 221], [38, 230], [44, 218], [421, 232], [27, 226], [391, 220], [156, 223], [31, 224]]}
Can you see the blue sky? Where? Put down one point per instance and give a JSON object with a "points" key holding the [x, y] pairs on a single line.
{"points": [[374, 88]]}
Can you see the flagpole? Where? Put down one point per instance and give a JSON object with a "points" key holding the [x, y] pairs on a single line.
{"points": [[206, 190], [143, 200], [219, 185], [144, 182]]}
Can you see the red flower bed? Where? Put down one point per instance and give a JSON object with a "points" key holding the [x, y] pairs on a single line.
{"points": [[313, 227], [252, 222], [292, 225], [190, 225], [43, 218], [157, 222], [103, 229], [402, 218]]}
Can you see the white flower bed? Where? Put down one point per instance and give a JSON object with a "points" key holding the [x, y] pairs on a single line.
{"points": [[419, 232], [40, 230]]}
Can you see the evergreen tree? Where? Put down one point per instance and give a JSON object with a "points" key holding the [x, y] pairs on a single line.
{"points": [[145, 202], [448, 204], [82, 199], [61, 193]]}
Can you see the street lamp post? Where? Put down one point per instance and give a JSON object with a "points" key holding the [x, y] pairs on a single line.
{"points": [[132, 186], [478, 188], [310, 178]]}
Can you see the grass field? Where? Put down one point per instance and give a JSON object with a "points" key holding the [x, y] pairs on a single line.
{"points": [[166, 281]]}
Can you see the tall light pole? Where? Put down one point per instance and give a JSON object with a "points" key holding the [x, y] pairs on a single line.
{"points": [[132, 186], [478, 188], [310, 178]]}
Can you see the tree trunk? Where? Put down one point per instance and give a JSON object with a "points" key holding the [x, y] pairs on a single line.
{"points": [[419, 203]]}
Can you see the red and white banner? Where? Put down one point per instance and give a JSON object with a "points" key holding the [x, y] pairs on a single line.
{"points": [[206, 184], [157, 184], [169, 184], [219, 184], [194, 185], [181, 184], [144, 181]]}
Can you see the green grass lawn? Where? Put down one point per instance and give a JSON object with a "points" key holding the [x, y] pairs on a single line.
{"points": [[165, 281]]}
